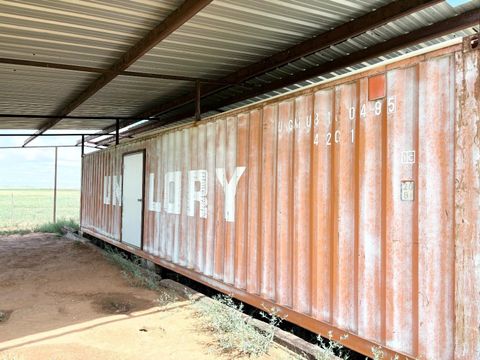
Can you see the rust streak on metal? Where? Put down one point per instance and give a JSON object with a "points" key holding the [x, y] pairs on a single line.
{"points": [[467, 212], [383, 237], [415, 239], [356, 222], [333, 225]]}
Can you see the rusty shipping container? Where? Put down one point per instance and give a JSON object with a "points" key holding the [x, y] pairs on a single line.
{"points": [[352, 206]]}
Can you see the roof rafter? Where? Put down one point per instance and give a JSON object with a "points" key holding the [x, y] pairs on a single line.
{"points": [[173, 21], [88, 69]]}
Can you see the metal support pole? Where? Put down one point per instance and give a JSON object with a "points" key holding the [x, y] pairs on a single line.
{"points": [[55, 187], [117, 132], [198, 95], [83, 145]]}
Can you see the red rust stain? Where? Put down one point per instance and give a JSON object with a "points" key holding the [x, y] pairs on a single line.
{"points": [[376, 87]]}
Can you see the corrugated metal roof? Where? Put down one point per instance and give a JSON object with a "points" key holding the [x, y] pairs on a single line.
{"points": [[127, 96], [322, 58], [229, 34], [28, 90], [225, 36], [213, 49], [71, 32], [395, 28], [89, 33]]}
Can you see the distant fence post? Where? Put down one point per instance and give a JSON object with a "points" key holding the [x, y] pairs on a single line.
{"points": [[11, 210], [55, 187]]}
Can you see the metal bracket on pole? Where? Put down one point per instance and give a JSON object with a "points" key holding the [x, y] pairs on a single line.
{"points": [[198, 95], [83, 145], [55, 187], [117, 132]]}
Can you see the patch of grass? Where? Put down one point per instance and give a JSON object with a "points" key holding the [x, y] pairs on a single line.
{"points": [[232, 330], [4, 315], [331, 349], [50, 227], [166, 297], [378, 354], [132, 269], [117, 307], [57, 227]]}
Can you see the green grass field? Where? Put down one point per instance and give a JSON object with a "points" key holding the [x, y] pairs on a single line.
{"points": [[27, 208]]}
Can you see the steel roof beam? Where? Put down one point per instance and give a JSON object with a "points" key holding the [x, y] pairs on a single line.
{"points": [[69, 117], [45, 146], [176, 19], [88, 69], [59, 134], [459, 22]]}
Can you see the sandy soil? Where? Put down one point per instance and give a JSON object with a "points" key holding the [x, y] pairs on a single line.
{"points": [[61, 299]]}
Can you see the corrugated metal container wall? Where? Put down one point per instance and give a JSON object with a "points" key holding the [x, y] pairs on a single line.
{"points": [[353, 206]]}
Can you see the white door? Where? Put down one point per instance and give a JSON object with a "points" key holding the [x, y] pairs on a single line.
{"points": [[132, 199]]}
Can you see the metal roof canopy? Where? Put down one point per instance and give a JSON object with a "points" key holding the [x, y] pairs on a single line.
{"points": [[223, 52], [414, 37]]}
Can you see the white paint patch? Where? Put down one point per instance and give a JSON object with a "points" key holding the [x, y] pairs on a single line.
{"points": [[173, 192], [230, 188], [155, 206], [117, 190], [107, 190], [194, 177]]}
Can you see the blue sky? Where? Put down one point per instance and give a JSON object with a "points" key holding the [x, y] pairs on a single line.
{"points": [[34, 168]]}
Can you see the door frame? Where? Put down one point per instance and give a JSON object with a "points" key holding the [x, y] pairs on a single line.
{"points": [[144, 153]]}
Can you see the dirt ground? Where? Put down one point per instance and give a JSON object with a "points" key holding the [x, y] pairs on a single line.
{"points": [[61, 299]]}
